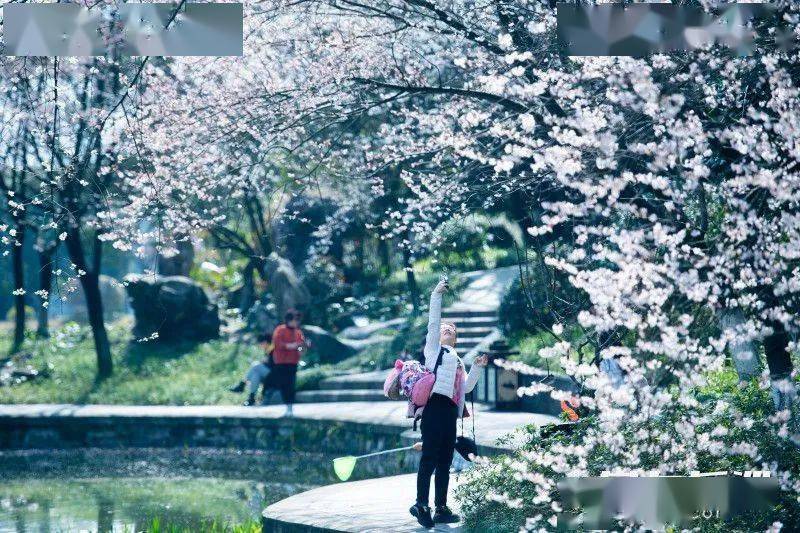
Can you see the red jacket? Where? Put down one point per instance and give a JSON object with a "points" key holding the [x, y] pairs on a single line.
{"points": [[283, 335]]}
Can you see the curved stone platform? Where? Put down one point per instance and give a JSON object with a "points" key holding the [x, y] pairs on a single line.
{"points": [[372, 505], [379, 505]]}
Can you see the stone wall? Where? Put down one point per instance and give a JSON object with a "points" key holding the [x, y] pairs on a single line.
{"points": [[324, 436], [65, 429]]}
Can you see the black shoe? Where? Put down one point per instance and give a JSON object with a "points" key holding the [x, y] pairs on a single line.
{"points": [[251, 400], [239, 387], [423, 515], [444, 515]]}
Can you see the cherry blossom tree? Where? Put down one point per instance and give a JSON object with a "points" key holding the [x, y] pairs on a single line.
{"points": [[672, 180]]}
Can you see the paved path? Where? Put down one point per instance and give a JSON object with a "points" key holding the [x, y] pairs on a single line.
{"points": [[373, 505], [485, 288], [475, 312], [378, 505]]}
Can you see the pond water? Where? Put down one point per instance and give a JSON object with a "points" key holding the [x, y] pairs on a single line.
{"points": [[126, 490]]}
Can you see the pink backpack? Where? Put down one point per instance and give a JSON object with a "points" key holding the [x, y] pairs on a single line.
{"points": [[412, 380], [409, 379]]}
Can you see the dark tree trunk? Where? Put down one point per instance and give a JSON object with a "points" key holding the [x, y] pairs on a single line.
{"points": [[18, 268], [94, 308], [105, 515], [411, 280], [90, 282], [360, 244], [776, 350], [779, 362], [45, 284], [247, 294], [386, 258]]}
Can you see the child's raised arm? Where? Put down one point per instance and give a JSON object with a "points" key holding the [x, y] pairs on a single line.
{"points": [[432, 345]]}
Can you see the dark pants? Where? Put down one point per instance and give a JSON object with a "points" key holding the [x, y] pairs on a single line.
{"points": [[283, 378], [438, 442]]}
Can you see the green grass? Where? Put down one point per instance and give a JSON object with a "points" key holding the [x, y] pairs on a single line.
{"points": [[144, 373], [251, 526]]}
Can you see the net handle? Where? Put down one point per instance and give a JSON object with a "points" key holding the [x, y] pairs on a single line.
{"points": [[404, 448]]}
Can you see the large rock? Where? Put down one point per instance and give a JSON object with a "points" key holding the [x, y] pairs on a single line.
{"points": [[325, 347], [284, 284], [175, 307]]}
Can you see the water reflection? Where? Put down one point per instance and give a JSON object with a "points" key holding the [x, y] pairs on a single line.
{"points": [[132, 504], [126, 490]]}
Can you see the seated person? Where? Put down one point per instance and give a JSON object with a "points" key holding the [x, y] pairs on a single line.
{"points": [[258, 371]]}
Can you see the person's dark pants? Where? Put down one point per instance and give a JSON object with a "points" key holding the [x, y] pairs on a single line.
{"points": [[283, 377], [438, 442]]}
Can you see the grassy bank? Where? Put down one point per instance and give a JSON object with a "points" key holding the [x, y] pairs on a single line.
{"points": [[144, 373], [251, 526]]}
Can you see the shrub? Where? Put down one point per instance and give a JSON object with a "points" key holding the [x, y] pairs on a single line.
{"points": [[503, 493]]}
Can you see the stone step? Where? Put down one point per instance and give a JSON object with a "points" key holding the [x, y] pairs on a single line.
{"points": [[474, 331], [467, 343], [487, 326], [470, 338], [482, 323], [466, 313], [363, 380], [342, 395], [465, 346]]}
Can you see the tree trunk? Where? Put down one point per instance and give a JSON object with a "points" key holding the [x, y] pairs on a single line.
{"points": [[247, 294], [90, 282], [18, 268], [105, 515], [94, 309], [411, 281], [45, 284], [385, 257], [743, 352], [779, 361]]}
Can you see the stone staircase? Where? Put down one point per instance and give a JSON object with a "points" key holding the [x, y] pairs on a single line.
{"points": [[473, 326], [476, 328], [363, 387]]}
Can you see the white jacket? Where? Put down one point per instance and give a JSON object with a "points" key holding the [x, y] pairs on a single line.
{"points": [[446, 374]]}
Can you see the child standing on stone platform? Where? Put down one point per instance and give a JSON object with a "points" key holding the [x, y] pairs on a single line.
{"points": [[441, 412]]}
